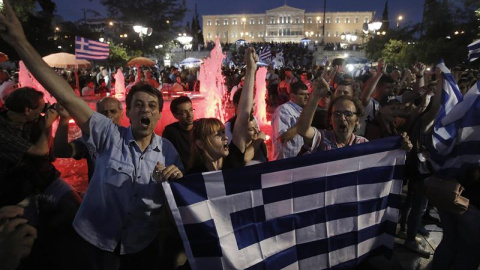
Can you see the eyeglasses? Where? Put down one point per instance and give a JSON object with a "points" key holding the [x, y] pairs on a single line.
{"points": [[185, 112], [347, 114]]}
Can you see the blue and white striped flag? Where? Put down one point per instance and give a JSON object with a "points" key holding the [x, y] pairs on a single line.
{"points": [[474, 51], [319, 211], [456, 135], [265, 54], [90, 49]]}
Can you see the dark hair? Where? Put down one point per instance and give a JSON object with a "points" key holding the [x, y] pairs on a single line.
{"points": [[147, 88], [177, 101], [25, 97], [355, 100], [297, 86], [202, 128], [236, 96], [386, 79], [338, 62]]}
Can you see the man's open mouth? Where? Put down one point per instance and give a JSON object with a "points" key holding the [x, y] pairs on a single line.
{"points": [[145, 121], [225, 145]]}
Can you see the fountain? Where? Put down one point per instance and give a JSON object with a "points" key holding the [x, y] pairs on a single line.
{"points": [[119, 85], [26, 79], [212, 85], [260, 94]]}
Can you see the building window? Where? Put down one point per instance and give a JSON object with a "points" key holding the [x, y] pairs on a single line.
{"points": [[309, 20], [252, 21], [225, 22], [366, 20], [225, 34], [209, 35], [235, 35], [209, 22], [319, 20], [297, 20], [260, 21], [217, 22], [272, 20], [356, 19], [234, 21], [337, 20], [260, 34], [347, 20], [336, 33], [328, 33], [289, 19], [252, 34], [327, 20]]}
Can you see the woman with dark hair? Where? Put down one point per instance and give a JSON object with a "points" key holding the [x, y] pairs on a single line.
{"points": [[210, 148], [344, 113]]}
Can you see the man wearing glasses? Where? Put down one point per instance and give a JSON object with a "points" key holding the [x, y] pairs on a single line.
{"points": [[178, 133], [286, 141]]}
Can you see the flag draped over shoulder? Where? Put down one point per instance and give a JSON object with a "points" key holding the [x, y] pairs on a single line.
{"points": [[456, 135], [319, 211], [90, 49]]}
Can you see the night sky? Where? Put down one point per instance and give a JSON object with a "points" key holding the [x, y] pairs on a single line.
{"points": [[411, 10]]}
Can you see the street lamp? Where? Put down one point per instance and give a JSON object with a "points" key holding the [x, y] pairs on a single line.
{"points": [[399, 19], [142, 31], [185, 41]]}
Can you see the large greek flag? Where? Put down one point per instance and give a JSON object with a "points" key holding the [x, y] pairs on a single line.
{"points": [[456, 135], [321, 211]]}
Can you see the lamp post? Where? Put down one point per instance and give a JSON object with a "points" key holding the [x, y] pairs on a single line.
{"points": [[399, 19], [184, 40], [142, 31]]}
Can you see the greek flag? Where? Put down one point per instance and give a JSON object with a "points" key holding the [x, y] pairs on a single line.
{"points": [[474, 51], [320, 211], [90, 49], [265, 54], [456, 135]]}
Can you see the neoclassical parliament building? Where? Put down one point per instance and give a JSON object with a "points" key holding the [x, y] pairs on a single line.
{"points": [[287, 24]]}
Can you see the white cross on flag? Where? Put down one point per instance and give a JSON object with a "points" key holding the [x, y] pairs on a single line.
{"points": [[90, 49], [318, 211]]}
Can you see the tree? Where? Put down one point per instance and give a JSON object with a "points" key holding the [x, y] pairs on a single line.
{"points": [[385, 20], [33, 24], [161, 15]]}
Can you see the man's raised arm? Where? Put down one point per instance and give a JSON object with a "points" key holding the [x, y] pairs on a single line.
{"points": [[12, 32]]}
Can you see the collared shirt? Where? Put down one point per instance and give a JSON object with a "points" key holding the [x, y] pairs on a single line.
{"points": [[324, 140], [285, 117], [123, 201]]}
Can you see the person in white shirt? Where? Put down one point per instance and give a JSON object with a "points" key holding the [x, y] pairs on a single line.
{"points": [[285, 140]]}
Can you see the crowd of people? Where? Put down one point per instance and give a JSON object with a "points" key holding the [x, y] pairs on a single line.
{"points": [[122, 221]]}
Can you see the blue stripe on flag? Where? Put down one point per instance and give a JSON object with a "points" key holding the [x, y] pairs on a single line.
{"points": [[456, 137], [233, 218], [204, 239], [90, 49], [474, 51]]}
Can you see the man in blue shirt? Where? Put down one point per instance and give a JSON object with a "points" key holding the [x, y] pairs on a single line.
{"points": [[121, 213]]}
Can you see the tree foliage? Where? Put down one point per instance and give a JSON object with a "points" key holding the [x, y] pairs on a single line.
{"points": [[446, 30], [161, 15]]}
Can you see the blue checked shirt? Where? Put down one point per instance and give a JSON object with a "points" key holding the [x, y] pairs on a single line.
{"points": [[285, 117], [123, 201]]}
